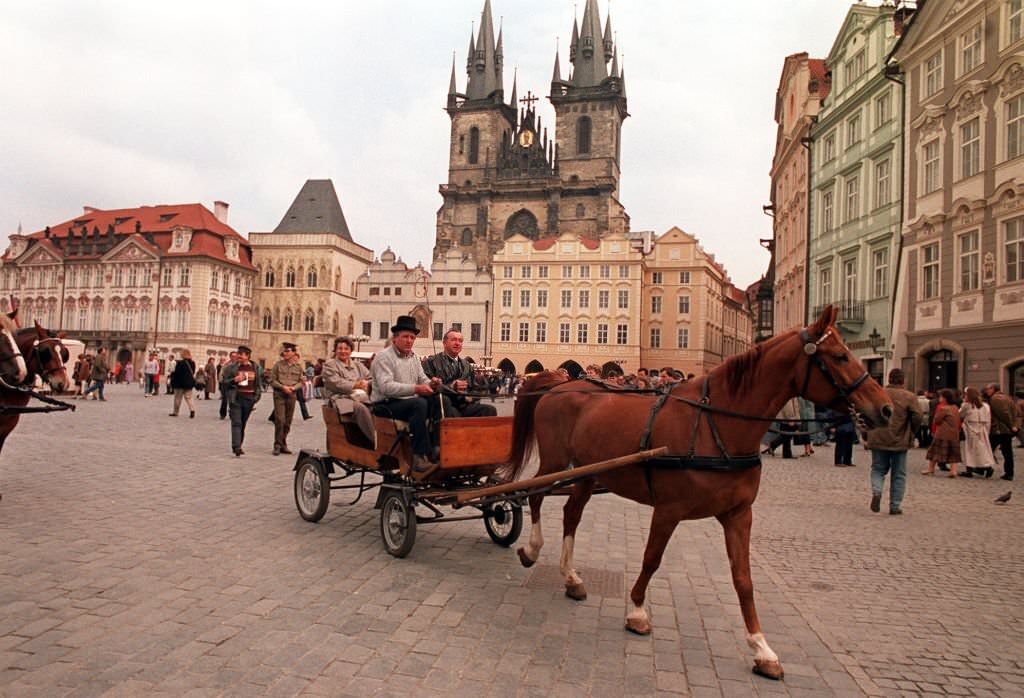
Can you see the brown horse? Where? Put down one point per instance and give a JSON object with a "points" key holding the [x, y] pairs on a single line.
{"points": [[715, 424], [44, 357]]}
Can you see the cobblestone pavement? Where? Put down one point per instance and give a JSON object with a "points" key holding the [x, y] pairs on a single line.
{"points": [[138, 557]]}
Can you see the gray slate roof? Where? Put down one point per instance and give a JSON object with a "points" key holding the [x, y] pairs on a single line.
{"points": [[316, 209]]}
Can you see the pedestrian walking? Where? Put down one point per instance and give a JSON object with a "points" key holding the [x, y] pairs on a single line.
{"points": [[182, 382], [945, 446], [169, 369], [286, 379], [129, 372], [150, 370], [1005, 424], [240, 382], [845, 435], [224, 385], [889, 444], [210, 384], [83, 369], [976, 418], [98, 374], [788, 421]]}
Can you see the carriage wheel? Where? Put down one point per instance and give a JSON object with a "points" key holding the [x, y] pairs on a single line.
{"points": [[504, 522], [312, 490], [397, 524]]}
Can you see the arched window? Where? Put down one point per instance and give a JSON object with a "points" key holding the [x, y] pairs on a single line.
{"points": [[288, 321], [583, 128], [268, 320], [467, 237], [309, 321], [311, 278], [289, 278], [474, 145], [268, 278]]}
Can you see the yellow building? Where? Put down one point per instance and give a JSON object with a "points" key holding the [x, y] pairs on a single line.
{"points": [[565, 301]]}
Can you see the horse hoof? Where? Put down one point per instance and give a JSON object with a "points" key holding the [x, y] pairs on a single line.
{"points": [[523, 559], [576, 592], [638, 626], [768, 669]]}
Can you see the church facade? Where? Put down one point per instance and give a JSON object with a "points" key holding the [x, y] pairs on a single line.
{"points": [[506, 175]]}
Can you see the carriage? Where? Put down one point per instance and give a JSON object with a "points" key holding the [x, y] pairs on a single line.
{"points": [[472, 450]]}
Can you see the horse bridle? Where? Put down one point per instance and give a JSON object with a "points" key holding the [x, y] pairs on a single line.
{"points": [[814, 359], [7, 355]]}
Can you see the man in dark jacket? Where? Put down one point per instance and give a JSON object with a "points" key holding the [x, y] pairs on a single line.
{"points": [[1005, 423], [457, 374], [99, 374], [889, 444], [241, 383]]}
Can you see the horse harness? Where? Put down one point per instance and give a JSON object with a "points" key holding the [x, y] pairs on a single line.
{"points": [[40, 349]]}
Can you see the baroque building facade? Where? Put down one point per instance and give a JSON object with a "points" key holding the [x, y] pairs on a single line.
{"points": [[306, 276], [857, 158], [133, 280], [506, 176], [960, 316]]}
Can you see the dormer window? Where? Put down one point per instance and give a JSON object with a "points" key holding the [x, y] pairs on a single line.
{"points": [[164, 217], [231, 249], [181, 239]]}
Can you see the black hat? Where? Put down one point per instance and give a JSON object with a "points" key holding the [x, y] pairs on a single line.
{"points": [[287, 346], [242, 349], [405, 323]]}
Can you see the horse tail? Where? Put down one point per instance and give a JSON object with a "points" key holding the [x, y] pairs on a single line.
{"points": [[522, 422]]}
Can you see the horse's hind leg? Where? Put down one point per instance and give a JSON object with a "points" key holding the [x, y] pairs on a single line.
{"points": [[571, 515], [736, 525], [529, 553], [663, 524]]}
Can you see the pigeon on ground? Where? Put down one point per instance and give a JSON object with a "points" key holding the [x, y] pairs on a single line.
{"points": [[1003, 499]]}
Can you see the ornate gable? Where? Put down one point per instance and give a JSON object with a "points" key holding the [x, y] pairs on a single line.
{"points": [[40, 255], [131, 250]]}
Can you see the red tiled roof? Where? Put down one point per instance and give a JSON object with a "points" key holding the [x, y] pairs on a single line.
{"points": [[208, 233]]}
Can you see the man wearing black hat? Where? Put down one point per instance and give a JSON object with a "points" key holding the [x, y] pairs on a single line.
{"points": [[401, 390], [240, 380], [285, 378]]}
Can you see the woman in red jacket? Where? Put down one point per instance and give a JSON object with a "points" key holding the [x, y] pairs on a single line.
{"points": [[945, 446]]}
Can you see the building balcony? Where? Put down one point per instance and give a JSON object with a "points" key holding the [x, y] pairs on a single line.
{"points": [[850, 311]]}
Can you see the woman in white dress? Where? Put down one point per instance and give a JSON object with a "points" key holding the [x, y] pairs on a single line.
{"points": [[977, 419]]}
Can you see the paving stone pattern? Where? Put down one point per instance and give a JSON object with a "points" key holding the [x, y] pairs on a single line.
{"points": [[139, 557]]}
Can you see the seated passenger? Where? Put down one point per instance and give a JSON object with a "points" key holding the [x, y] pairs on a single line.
{"points": [[346, 385], [401, 390], [456, 373]]}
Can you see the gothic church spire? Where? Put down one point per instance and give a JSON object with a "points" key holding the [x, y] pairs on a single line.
{"points": [[590, 64], [485, 65]]}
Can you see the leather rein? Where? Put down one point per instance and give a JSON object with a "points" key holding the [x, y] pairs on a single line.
{"points": [[50, 404]]}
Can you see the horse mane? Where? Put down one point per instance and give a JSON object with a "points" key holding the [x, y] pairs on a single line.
{"points": [[741, 371], [530, 394]]}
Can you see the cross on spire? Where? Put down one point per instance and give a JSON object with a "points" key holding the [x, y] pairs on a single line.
{"points": [[529, 100]]}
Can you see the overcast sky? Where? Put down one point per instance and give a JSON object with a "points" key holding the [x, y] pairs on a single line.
{"points": [[121, 104]]}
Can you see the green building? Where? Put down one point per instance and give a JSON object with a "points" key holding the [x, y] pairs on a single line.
{"points": [[856, 156]]}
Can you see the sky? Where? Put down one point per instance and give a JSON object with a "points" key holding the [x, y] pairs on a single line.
{"points": [[117, 104]]}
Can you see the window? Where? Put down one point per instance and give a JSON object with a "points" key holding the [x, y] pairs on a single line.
{"points": [[933, 74], [474, 145], [382, 330], [375, 290], [438, 291], [970, 49], [852, 198], [118, 276], [604, 271], [438, 330], [289, 278], [584, 298], [563, 332], [883, 109], [581, 332], [849, 279], [854, 67], [542, 298], [524, 298], [566, 271], [583, 129], [1015, 11], [825, 285], [72, 280], [684, 278], [930, 271], [827, 208], [623, 271], [180, 319], [147, 276], [970, 261], [526, 271], [133, 276], [970, 148], [1015, 127], [474, 331], [656, 277], [880, 272], [853, 130], [289, 321], [505, 332], [684, 305], [83, 320], [829, 147], [311, 278], [211, 323], [309, 321], [524, 332], [468, 291], [97, 319], [602, 333], [506, 298], [238, 286], [603, 298], [584, 271], [166, 276], [622, 334], [566, 298], [387, 290], [683, 338], [1013, 247], [366, 328], [655, 338], [541, 334], [655, 304], [623, 299], [215, 279], [506, 271], [185, 276], [883, 189], [268, 278], [932, 172], [227, 279], [542, 271]]}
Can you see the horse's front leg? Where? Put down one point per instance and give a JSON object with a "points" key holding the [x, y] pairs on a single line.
{"points": [[529, 553], [663, 524], [571, 515], [736, 525]]}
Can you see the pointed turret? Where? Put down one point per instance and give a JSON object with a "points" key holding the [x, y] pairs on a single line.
{"points": [[471, 53], [452, 89], [485, 69], [574, 44], [615, 64], [590, 66], [515, 96], [608, 38], [557, 75]]}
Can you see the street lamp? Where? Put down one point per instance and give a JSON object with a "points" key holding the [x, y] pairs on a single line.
{"points": [[360, 339], [874, 339]]}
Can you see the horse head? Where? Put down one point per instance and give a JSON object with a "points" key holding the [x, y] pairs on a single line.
{"points": [[13, 368], [46, 354], [835, 377]]}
